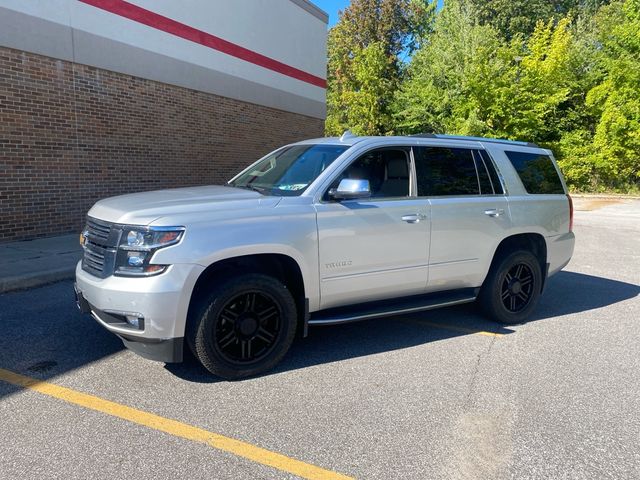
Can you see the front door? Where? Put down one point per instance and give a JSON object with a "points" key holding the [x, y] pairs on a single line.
{"points": [[374, 248]]}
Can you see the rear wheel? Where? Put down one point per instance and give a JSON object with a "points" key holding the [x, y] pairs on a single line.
{"points": [[244, 327], [512, 289]]}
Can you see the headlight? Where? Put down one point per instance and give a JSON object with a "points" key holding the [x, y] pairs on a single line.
{"points": [[137, 246]]}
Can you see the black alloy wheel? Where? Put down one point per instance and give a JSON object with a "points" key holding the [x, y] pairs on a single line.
{"points": [[512, 288], [243, 327], [248, 326], [517, 288]]}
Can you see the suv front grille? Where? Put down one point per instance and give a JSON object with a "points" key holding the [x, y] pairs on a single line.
{"points": [[100, 247], [94, 257], [97, 229]]}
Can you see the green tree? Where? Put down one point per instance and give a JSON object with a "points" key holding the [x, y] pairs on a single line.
{"points": [[616, 142], [543, 89], [468, 80], [513, 17], [600, 145], [365, 51], [565, 74], [447, 88], [578, 120], [366, 112]]}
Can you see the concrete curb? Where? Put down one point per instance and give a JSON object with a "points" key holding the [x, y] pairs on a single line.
{"points": [[33, 263], [606, 196], [22, 282]]}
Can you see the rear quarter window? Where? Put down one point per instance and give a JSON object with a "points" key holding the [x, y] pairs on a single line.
{"points": [[537, 172]]}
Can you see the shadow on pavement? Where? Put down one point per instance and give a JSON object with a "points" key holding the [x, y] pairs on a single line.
{"points": [[43, 334], [565, 293], [571, 292]]}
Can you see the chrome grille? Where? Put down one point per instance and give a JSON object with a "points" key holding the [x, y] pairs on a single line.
{"points": [[100, 247]]}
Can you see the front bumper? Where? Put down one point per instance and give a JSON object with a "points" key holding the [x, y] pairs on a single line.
{"points": [[159, 304], [169, 350]]}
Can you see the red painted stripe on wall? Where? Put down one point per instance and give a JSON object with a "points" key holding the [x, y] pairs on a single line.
{"points": [[168, 25]]}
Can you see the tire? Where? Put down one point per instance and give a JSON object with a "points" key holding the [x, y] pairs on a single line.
{"points": [[244, 327], [512, 289]]}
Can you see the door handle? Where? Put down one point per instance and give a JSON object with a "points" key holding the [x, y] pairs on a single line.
{"points": [[413, 217], [494, 212]]}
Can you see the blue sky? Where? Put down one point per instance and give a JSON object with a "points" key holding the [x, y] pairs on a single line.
{"points": [[332, 7]]}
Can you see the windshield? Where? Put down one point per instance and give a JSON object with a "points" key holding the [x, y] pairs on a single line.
{"points": [[289, 171]]}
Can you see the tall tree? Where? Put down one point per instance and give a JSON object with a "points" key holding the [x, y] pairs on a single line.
{"points": [[513, 17], [616, 142], [449, 87], [365, 51], [563, 73], [468, 80]]}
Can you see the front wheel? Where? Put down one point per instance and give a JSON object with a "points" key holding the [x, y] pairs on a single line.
{"points": [[244, 327], [512, 289]]}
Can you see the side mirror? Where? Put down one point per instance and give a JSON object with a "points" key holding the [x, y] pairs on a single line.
{"points": [[350, 189]]}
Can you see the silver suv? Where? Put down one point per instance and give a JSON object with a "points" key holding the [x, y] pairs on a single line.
{"points": [[321, 232]]}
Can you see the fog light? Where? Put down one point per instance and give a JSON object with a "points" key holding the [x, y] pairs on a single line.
{"points": [[135, 259], [133, 320], [118, 317]]}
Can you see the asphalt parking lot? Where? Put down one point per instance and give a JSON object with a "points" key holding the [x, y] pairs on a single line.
{"points": [[443, 394]]}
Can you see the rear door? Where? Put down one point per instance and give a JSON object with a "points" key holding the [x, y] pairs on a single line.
{"points": [[469, 213]]}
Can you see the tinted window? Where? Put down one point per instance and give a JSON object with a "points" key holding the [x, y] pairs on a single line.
{"points": [[445, 171], [386, 169], [537, 172], [495, 179]]}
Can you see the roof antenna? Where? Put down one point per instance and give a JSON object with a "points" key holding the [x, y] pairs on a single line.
{"points": [[346, 134]]}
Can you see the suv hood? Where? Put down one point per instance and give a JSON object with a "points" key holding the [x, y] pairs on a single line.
{"points": [[143, 208]]}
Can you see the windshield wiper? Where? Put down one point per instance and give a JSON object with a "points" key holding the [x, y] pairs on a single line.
{"points": [[260, 190]]}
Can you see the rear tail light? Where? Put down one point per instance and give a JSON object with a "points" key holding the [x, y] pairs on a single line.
{"points": [[570, 213]]}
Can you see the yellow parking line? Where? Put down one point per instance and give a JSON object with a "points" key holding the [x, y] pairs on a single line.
{"points": [[454, 328], [172, 427]]}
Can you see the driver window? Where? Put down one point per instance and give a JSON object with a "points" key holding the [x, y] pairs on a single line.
{"points": [[386, 169]]}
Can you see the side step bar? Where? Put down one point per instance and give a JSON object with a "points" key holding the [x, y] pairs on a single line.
{"points": [[396, 306]]}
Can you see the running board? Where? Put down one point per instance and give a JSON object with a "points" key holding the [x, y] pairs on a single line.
{"points": [[395, 306]]}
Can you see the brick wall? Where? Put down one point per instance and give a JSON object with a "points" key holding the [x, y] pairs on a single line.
{"points": [[72, 134]]}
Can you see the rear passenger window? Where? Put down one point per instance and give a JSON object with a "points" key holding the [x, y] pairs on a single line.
{"points": [[444, 171], [537, 172]]}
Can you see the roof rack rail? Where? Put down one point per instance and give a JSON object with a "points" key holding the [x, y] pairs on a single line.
{"points": [[476, 139]]}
